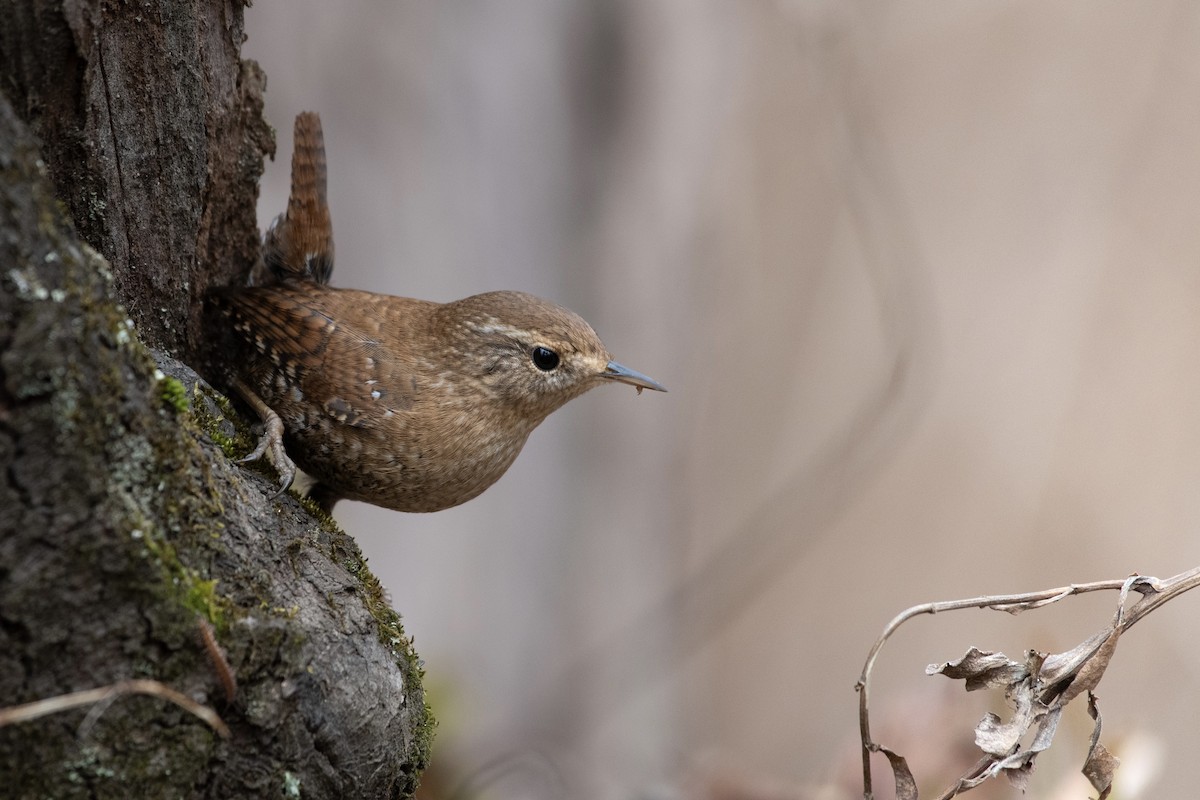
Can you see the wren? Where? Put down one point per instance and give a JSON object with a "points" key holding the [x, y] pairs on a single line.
{"points": [[407, 404]]}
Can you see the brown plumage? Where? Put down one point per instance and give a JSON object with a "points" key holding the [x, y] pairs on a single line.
{"points": [[299, 244], [407, 404]]}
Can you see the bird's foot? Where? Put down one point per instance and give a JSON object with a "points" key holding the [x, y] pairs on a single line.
{"points": [[271, 441]]}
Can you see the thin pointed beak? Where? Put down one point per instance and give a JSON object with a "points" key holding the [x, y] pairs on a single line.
{"points": [[616, 372]]}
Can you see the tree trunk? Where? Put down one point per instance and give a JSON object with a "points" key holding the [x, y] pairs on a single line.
{"points": [[123, 520]]}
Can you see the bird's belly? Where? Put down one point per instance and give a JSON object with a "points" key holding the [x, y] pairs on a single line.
{"points": [[414, 471]]}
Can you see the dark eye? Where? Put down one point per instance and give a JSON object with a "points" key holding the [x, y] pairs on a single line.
{"points": [[544, 358]]}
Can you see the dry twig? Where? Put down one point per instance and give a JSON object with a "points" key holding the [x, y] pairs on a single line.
{"points": [[1037, 689], [105, 694]]}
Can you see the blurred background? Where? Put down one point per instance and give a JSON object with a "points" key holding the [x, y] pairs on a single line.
{"points": [[923, 280]]}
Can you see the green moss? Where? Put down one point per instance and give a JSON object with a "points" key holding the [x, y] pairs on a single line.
{"points": [[215, 416], [316, 512], [173, 393], [201, 596], [161, 482], [188, 587]]}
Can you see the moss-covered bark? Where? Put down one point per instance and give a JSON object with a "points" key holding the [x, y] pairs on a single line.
{"points": [[122, 518]]}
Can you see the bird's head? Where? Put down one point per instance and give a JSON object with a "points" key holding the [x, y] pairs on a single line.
{"points": [[529, 354]]}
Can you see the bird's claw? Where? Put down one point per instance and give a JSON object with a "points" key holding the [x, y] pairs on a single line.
{"points": [[270, 443], [257, 453], [287, 474]]}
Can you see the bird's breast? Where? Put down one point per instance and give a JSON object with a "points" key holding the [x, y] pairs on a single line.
{"points": [[436, 454]]}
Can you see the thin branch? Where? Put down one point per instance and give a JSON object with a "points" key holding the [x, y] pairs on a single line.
{"points": [[1166, 591], [103, 694]]}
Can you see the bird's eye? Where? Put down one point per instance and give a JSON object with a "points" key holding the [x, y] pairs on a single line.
{"points": [[544, 358]]}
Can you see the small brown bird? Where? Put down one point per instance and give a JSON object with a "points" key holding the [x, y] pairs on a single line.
{"points": [[407, 404]]}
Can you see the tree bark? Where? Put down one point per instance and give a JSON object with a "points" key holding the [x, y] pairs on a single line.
{"points": [[123, 520]]}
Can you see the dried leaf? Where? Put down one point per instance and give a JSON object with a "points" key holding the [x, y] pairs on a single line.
{"points": [[1092, 670], [1058, 668], [1066, 675], [998, 738], [994, 737], [1100, 765], [981, 669], [1047, 727], [906, 785]]}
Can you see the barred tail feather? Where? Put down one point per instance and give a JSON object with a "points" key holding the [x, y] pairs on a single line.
{"points": [[299, 243]]}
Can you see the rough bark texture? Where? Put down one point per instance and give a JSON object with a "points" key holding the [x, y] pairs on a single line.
{"points": [[122, 517], [152, 129]]}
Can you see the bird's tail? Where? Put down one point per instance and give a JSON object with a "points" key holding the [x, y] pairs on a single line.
{"points": [[299, 243]]}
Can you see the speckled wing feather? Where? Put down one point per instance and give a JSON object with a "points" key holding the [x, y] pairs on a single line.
{"points": [[303, 354]]}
